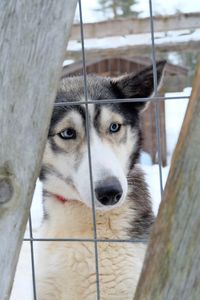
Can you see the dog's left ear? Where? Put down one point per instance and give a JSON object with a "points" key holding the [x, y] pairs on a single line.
{"points": [[138, 85]]}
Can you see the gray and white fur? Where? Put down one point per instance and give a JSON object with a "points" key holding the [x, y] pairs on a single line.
{"points": [[66, 270]]}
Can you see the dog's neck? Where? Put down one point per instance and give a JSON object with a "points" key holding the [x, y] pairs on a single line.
{"points": [[73, 219], [60, 198]]}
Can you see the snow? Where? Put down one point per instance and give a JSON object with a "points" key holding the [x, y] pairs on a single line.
{"points": [[175, 111], [152, 178], [170, 37], [67, 62], [22, 287]]}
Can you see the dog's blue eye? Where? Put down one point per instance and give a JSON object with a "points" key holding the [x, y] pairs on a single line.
{"points": [[114, 127], [67, 134]]}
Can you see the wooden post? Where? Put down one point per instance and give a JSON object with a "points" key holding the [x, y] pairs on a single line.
{"points": [[172, 265], [33, 39]]}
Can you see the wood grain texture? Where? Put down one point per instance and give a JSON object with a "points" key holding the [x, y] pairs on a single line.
{"points": [[33, 39], [131, 25], [172, 266], [133, 50]]}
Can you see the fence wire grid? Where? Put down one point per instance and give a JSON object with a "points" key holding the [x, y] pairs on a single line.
{"points": [[155, 98]]}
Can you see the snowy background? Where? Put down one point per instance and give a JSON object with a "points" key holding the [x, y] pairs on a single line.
{"points": [[175, 111], [160, 7]]}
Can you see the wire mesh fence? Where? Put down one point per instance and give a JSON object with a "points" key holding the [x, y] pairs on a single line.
{"points": [[155, 98]]}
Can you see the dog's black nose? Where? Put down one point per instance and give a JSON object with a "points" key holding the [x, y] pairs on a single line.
{"points": [[109, 191]]}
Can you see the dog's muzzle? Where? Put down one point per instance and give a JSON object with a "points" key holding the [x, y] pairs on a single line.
{"points": [[108, 191]]}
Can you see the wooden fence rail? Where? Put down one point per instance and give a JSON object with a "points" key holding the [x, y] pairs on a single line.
{"points": [[131, 25], [186, 41], [172, 265], [33, 38]]}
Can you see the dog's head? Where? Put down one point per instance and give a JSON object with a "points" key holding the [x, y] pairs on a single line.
{"points": [[114, 136]]}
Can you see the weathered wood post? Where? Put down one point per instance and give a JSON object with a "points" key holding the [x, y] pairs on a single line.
{"points": [[33, 39], [172, 266]]}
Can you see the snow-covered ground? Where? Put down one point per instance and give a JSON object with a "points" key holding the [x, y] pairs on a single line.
{"points": [[174, 115], [142, 39], [175, 111]]}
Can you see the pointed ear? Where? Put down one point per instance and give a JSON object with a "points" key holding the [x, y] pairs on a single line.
{"points": [[138, 85]]}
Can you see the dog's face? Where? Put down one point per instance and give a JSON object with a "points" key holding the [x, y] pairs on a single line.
{"points": [[114, 136]]}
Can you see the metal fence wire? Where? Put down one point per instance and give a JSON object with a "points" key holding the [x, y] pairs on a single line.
{"points": [[155, 98]]}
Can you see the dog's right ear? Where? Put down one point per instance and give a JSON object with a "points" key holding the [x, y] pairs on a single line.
{"points": [[138, 85]]}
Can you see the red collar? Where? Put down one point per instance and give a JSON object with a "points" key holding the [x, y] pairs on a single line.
{"points": [[60, 198]]}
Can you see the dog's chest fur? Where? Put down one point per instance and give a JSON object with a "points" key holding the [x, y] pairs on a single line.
{"points": [[72, 274], [68, 268]]}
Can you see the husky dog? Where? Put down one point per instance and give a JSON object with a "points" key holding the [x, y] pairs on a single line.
{"points": [[66, 269]]}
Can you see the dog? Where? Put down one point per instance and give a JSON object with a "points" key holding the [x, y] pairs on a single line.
{"points": [[66, 270]]}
